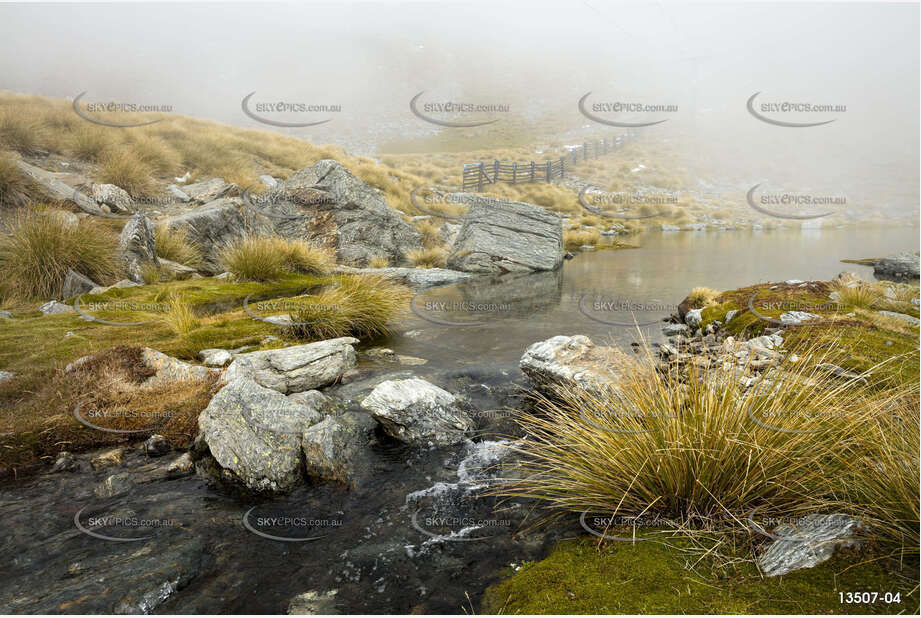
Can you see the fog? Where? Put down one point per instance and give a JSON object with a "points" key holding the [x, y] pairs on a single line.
{"points": [[537, 57]]}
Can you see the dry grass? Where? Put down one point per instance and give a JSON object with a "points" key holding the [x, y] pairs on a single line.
{"points": [[267, 258], [90, 143], [176, 246], [15, 187], [701, 297], [856, 293], [428, 258], [363, 306], [378, 261], [574, 239], [180, 317], [124, 169], [431, 234], [37, 248]]}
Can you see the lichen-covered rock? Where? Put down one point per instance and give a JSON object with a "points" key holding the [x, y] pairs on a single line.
{"points": [[137, 247], [209, 190], [811, 541], [418, 412], [564, 362], [53, 307], [332, 446], [499, 236], [116, 198], [255, 433], [297, 368]]}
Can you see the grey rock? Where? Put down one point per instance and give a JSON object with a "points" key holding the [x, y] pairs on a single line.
{"points": [[731, 314], [157, 446], [124, 283], [812, 540], [215, 357], [107, 459], [116, 198], [314, 603], [209, 190], [316, 400], [75, 284], [793, 318], [910, 319], [255, 433], [5, 314], [666, 227], [499, 236], [168, 369], [297, 368], [65, 462], [903, 265], [332, 447], [417, 412], [416, 278], [180, 270], [693, 318], [178, 194], [136, 245], [770, 342], [351, 214], [53, 307], [5, 376], [114, 485], [670, 330], [570, 362], [48, 183], [268, 181]]}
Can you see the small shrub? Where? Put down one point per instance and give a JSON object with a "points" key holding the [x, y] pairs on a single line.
{"points": [[126, 170], [151, 273], [37, 248], [856, 293], [428, 258]]}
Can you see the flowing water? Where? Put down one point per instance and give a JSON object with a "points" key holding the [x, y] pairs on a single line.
{"points": [[416, 533]]}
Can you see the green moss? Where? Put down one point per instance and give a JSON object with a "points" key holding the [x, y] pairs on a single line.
{"points": [[650, 578]]}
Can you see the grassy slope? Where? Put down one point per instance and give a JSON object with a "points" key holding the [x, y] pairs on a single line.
{"points": [[650, 578]]}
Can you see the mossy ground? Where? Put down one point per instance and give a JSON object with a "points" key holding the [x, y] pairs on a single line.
{"points": [[579, 577]]}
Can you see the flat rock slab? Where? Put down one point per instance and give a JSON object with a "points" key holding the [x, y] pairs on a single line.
{"points": [[297, 368], [499, 236], [813, 539]]}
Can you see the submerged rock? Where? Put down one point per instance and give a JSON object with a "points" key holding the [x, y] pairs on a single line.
{"points": [[297, 368], [813, 540], [313, 603], [499, 236], [418, 412], [332, 446]]}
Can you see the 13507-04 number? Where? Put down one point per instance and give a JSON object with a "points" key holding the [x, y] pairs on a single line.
{"points": [[870, 597]]}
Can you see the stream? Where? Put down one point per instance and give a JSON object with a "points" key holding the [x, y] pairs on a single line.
{"points": [[415, 535]]}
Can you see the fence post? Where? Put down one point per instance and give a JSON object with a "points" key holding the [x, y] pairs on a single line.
{"points": [[479, 186], [562, 168], [549, 167], [515, 173]]}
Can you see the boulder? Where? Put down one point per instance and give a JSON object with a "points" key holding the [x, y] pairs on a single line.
{"points": [[6, 376], [116, 198], [53, 307], [136, 245], [564, 362], [693, 317], [792, 318], [209, 190], [499, 236], [156, 446], [318, 401], [255, 433], [215, 357], [813, 540], [268, 181], [909, 319], [346, 212], [297, 368], [417, 412], [216, 224], [179, 270], [670, 330], [178, 194], [168, 369], [332, 447], [75, 284], [48, 183], [903, 265]]}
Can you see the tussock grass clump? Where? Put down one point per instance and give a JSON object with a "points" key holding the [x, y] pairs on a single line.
{"points": [[127, 171], [857, 293], [573, 239], [363, 306], [378, 261], [20, 132], [176, 246], [428, 258], [37, 248], [267, 258], [90, 143], [700, 450], [180, 317], [156, 153], [701, 297], [15, 187], [431, 235]]}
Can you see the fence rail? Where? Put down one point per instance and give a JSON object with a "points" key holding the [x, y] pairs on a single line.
{"points": [[477, 175]]}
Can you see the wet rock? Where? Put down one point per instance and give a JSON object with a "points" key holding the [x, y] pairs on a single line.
{"points": [[813, 540], [53, 307], [386, 355], [215, 357], [75, 283], [910, 319], [318, 401], [353, 214], [181, 466], [499, 236], [570, 362], [416, 278], [65, 462], [418, 412], [900, 266], [114, 485], [693, 318], [116, 198], [793, 318], [332, 446], [209, 190], [107, 459], [255, 432], [314, 603], [297, 368], [157, 446], [670, 330], [136, 246]]}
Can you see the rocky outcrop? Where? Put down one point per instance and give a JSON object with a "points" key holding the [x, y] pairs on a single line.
{"points": [[418, 412], [136, 246], [813, 539], [53, 188], [215, 225], [75, 284], [348, 213], [215, 357], [297, 368], [255, 433], [167, 369], [564, 362], [499, 236], [209, 190], [903, 265]]}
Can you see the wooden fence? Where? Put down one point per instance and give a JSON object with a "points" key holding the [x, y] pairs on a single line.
{"points": [[477, 175]]}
